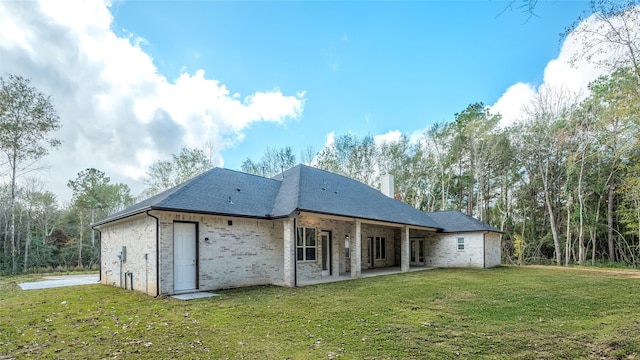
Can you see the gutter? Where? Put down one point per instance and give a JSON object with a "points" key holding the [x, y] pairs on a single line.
{"points": [[157, 252], [186, 211], [122, 216], [429, 228], [295, 252], [484, 249], [99, 253]]}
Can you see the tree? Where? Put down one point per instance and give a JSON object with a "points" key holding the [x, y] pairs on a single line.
{"points": [[164, 174], [273, 162], [613, 40], [475, 137], [541, 155], [439, 136], [629, 209], [406, 162], [93, 192], [351, 157], [614, 104], [27, 121], [307, 155], [42, 216]]}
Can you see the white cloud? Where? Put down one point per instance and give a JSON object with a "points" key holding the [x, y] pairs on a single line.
{"points": [[511, 103], [388, 137], [330, 139], [118, 113], [559, 73]]}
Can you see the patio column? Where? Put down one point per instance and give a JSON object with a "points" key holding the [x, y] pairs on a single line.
{"points": [[289, 268], [404, 248], [335, 254], [356, 251]]}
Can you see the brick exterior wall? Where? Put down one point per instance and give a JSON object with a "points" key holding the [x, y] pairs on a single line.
{"points": [[246, 253], [442, 250], [493, 249], [309, 270], [251, 252], [138, 235], [377, 231]]}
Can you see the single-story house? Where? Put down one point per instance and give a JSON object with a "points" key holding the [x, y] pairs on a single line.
{"points": [[226, 229]]}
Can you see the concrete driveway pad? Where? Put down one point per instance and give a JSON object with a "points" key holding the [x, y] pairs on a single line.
{"points": [[60, 281]]}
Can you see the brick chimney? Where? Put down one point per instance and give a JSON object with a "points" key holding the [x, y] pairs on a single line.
{"points": [[387, 185]]}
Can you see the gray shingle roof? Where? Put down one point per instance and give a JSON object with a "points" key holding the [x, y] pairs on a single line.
{"points": [[228, 192], [455, 221], [217, 191], [309, 189]]}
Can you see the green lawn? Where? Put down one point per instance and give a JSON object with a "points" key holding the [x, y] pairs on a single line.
{"points": [[502, 313]]}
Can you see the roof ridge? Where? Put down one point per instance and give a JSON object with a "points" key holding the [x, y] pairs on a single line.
{"points": [[298, 195], [246, 173], [297, 175], [187, 184], [280, 176], [339, 175]]}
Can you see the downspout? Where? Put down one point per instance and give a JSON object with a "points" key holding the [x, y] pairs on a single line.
{"points": [[157, 253], [295, 253], [484, 249], [99, 254]]}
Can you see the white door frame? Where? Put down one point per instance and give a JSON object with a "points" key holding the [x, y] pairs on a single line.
{"points": [[415, 244], [371, 243], [185, 256], [325, 243]]}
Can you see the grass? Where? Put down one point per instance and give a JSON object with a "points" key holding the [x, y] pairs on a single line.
{"points": [[507, 312]]}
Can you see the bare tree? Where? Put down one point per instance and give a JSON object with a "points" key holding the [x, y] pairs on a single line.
{"points": [[164, 174], [27, 121], [542, 155], [611, 37]]}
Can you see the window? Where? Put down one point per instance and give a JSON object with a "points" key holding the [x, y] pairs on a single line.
{"points": [[347, 248], [381, 248], [460, 244], [306, 244]]}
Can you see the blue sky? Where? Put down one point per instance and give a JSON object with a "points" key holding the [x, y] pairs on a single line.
{"points": [[366, 67], [134, 81]]}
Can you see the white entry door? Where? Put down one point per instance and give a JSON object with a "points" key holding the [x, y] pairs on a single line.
{"points": [[417, 251], [184, 256], [325, 238]]}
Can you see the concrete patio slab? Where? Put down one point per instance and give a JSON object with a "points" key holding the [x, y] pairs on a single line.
{"points": [[60, 281], [195, 295], [364, 274]]}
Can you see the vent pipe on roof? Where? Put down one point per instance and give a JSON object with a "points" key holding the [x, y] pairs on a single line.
{"points": [[387, 185]]}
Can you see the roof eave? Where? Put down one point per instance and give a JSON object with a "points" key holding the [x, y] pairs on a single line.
{"points": [[415, 226], [162, 208], [470, 231], [122, 216]]}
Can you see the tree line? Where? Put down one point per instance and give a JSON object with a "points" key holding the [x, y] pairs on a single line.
{"points": [[562, 182], [37, 232]]}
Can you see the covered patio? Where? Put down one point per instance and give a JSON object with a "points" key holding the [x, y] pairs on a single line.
{"points": [[364, 274]]}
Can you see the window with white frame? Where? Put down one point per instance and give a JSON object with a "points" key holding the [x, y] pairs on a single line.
{"points": [[347, 246], [381, 248], [460, 244], [306, 244]]}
